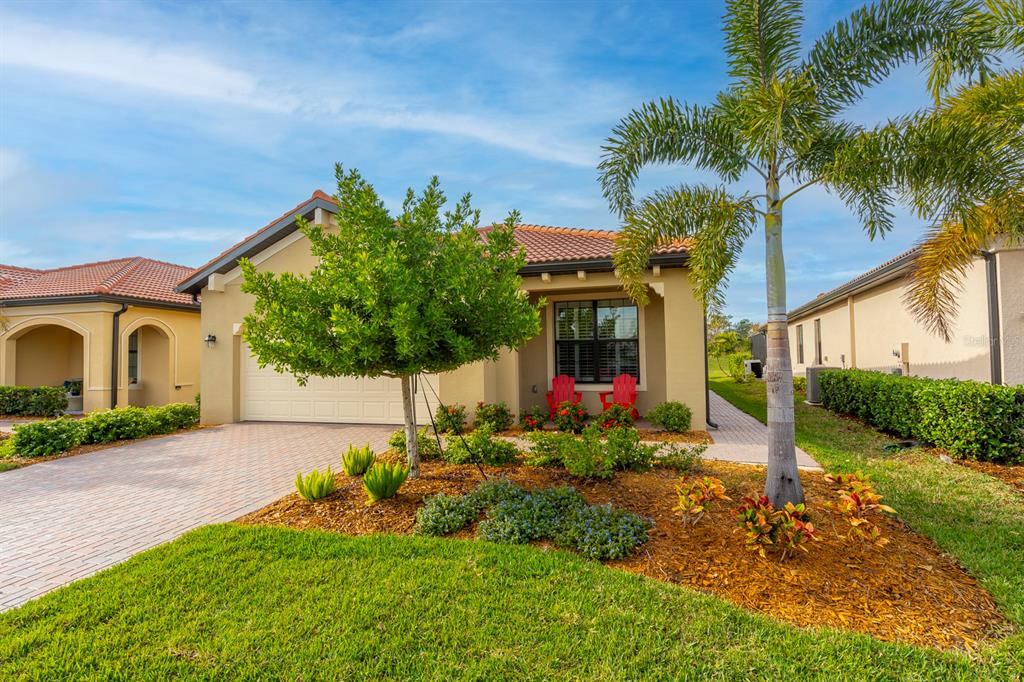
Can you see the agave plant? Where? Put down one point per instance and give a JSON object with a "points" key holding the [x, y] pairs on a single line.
{"points": [[355, 461], [315, 485], [382, 480]]}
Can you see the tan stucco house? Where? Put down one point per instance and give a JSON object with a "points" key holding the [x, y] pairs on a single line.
{"points": [[864, 324], [117, 326], [662, 344]]}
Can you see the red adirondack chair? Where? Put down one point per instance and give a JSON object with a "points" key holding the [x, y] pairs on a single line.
{"points": [[623, 393], [563, 389]]}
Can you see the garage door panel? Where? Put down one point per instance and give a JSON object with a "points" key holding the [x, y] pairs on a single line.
{"points": [[270, 396]]}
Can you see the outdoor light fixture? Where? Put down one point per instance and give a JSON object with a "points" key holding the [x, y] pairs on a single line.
{"points": [[210, 340]]}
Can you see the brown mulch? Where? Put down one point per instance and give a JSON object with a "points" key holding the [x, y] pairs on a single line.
{"points": [[907, 591], [1010, 474], [83, 449]]}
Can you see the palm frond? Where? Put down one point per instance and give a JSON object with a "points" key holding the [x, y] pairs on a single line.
{"points": [[866, 47], [715, 223], [667, 132], [762, 39]]}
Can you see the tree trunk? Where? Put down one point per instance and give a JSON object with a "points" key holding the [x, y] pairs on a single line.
{"points": [[411, 442], [783, 484]]}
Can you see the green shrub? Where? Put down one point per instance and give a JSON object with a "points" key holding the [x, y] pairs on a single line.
{"points": [[496, 414], [428, 447], [602, 532], [536, 515], [571, 417], [123, 423], [546, 447], [382, 480], [534, 418], [168, 418], [33, 401], [735, 367], [355, 461], [445, 514], [492, 491], [626, 450], [616, 416], [479, 447], [48, 437], [315, 485], [672, 416], [7, 448], [800, 384], [969, 419], [587, 456], [450, 418], [681, 458]]}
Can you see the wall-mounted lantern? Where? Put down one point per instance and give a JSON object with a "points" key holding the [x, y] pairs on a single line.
{"points": [[210, 340]]}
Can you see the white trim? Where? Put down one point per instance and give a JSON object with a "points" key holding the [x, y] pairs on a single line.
{"points": [[549, 345]]}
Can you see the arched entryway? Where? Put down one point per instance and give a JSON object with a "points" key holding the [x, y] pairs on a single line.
{"points": [[47, 354], [147, 364]]}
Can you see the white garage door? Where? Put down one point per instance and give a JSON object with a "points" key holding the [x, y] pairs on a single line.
{"points": [[269, 396]]}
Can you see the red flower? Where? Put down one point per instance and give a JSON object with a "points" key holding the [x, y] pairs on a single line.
{"points": [[564, 413]]}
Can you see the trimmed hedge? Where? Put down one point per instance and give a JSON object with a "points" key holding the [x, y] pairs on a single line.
{"points": [[54, 436], [33, 401], [970, 419]]}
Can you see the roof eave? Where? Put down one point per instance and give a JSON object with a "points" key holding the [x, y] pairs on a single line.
{"points": [[884, 274], [274, 233], [598, 264], [96, 298]]}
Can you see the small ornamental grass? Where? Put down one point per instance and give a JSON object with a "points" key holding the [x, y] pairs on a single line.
{"points": [[672, 416], [571, 417], [480, 447], [355, 461], [450, 418], [767, 528], [496, 414], [534, 418], [315, 485], [383, 479], [696, 496]]}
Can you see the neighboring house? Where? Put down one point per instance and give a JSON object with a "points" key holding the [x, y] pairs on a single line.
{"points": [[590, 330], [116, 323], [864, 324]]}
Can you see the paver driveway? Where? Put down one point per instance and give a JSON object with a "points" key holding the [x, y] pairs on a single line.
{"points": [[69, 518]]}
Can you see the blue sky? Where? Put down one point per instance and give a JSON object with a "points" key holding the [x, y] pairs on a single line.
{"points": [[171, 130]]}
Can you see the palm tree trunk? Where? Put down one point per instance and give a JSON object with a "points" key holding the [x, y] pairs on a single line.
{"points": [[783, 484], [411, 442]]}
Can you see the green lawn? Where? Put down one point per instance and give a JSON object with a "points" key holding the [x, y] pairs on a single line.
{"points": [[234, 602], [975, 517]]}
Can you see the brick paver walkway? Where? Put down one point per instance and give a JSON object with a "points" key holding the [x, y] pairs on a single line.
{"points": [[69, 518], [741, 438]]}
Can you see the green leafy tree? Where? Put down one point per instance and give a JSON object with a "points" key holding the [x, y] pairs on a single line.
{"points": [[779, 122], [397, 296], [723, 345]]}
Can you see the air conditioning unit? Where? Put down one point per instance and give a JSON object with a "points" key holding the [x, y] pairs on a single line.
{"points": [[813, 385]]}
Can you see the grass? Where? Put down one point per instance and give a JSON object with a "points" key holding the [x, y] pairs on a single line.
{"points": [[975, 517], [234, 602]]}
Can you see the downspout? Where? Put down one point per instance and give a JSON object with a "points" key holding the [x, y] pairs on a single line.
{"points": [[115, 347], [707, 384], [995, 351]]}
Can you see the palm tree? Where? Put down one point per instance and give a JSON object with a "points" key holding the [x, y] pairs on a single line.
{"points": [[779, 120]]}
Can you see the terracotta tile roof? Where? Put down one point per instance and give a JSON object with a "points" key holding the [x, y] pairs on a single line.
{"points": [[547, 244], [134, 277]]}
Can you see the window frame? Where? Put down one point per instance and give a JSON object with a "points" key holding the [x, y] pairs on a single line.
{"points": [[596, 342], [133, 354], [817, 341], [800, 344]]}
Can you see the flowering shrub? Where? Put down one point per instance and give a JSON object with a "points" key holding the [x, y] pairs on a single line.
{"points": [[534, 516], [766, 527], [615, 416], [534, 418], [696, 496], [857, 498], [627, 452], [444, 514], [450, 418], [672, 416], [587, 456], [479, 447], [571, 417], [496, 414]]}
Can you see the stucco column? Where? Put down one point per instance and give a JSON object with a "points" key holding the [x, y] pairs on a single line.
{"points": [[684, 348], [96, 395]]}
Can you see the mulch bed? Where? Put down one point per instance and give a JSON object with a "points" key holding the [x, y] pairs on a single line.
{"points": [[83, 449], [907, 591], [655, 435]]}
